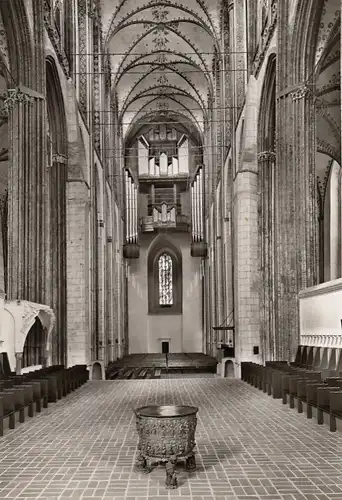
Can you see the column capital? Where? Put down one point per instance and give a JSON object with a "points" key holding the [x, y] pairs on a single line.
{"points": [[301, 92], [16, 96], [267, 156], [58, 158]]}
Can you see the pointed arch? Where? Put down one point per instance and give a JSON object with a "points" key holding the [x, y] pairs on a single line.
{"points": [[55, 108], [306, 25], [19, 41], [266, 128]]}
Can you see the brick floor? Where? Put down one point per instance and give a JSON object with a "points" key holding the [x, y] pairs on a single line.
{"points": [[249, 447]]}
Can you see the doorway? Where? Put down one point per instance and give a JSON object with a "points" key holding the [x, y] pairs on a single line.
{"points": [[165, 347]]}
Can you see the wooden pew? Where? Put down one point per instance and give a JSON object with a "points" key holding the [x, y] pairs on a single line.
{"points": [[298, 380], [335, 408], [142, 373], [311, 396], [323, 402], [7, 410]]}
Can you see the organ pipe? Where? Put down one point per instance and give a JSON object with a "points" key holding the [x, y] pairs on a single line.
{"points": [[201, 228], [127, 204], [197, 221], [192, 213]]}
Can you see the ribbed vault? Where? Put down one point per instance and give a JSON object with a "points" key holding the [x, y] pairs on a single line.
{"points": [[327, 92], [161, 57]]}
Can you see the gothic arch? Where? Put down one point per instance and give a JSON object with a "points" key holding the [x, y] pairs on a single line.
{"points": [[306, 26], [266, 126], [19, 42], [163, 246], [55, 108]]}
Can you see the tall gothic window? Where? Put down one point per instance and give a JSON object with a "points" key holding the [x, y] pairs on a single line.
{"points": [[164, 269], [165, 280]]}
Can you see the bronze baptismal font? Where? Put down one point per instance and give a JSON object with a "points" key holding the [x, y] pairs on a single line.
{"points": [[166, 435]]}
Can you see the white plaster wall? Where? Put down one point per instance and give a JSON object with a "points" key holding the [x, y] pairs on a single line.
{"points": [[321, 309], [146, 331], [7, 336]]}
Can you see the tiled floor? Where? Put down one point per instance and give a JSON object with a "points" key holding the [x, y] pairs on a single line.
{"points": [[249, 447]]}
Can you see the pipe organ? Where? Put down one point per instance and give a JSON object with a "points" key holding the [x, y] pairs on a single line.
{"points": [[198, 246], [131, 248], [197, 206]]}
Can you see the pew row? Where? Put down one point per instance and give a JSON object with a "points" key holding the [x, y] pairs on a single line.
{"points": [[29, 393], [306, 390]]}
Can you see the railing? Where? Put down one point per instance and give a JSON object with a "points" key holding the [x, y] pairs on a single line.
{"points": [[149, 223]]}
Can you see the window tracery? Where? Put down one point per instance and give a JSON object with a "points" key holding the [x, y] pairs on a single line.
{"points": [[164, 269], [165, 280]]}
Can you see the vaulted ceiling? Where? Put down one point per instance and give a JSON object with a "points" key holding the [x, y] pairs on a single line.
{"points": [[327, 92], [161, 60]]}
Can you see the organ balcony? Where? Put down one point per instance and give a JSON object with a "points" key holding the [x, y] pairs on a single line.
{"points": [[151, 223]]}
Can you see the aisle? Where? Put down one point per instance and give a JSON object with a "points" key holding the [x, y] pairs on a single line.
{"points": [[249, 447]]}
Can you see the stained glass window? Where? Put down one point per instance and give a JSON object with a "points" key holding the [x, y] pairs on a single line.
{"points": [[165, 280]]}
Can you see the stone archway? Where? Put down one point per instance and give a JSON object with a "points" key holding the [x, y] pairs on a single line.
{"points": [[24, 315], [97, 371], [228, 368], [229, 371], [34, 346]]}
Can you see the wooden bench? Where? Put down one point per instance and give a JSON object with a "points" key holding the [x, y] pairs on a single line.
{"points": [[323, 402], [298, 380], [311, 396], [335, 408], [7, 410], [157, 373], [142, 373], [37, 391]]}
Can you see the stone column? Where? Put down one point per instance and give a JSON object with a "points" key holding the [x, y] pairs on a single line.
{"points": [[27, 196], [266, 160], [78, 273], [101, 288], [219, 260], [213, 278], [110, 300], [18, 362], [56, 255], [246, 264], [295, 192]]}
